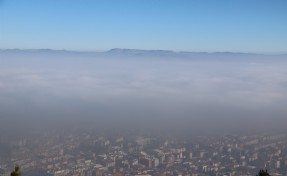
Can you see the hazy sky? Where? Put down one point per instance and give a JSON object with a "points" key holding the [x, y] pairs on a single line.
{"points": [[190, 25]]}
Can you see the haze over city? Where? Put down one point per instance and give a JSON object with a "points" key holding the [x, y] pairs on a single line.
{"points": [[154, 70]]}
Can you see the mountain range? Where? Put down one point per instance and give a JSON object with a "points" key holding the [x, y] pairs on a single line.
{"points": [[132, 52]]}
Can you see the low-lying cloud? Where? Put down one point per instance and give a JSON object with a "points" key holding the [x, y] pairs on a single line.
{"points": [[142, 89]]}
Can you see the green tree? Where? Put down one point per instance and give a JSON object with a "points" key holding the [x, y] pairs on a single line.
{"points": [[263, 173], [16, 171]]}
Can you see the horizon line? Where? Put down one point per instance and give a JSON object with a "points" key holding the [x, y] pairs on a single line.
{"points": [[133, 49]]}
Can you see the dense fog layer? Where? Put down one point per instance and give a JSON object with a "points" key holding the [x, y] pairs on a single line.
{"points": [[200, 94]]}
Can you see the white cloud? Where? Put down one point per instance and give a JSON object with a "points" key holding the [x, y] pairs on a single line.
{"points": [[236, 84]]}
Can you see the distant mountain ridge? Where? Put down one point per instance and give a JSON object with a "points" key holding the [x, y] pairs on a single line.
{"points": [[130, 52]]}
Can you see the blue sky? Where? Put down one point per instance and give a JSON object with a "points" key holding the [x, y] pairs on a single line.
{"points": [[182, 25]]}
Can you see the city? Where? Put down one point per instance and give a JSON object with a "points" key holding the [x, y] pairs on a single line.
{"points": [[86, 154]]}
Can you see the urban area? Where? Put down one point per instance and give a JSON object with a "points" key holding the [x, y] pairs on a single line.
{"points": [[88, 154]]}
